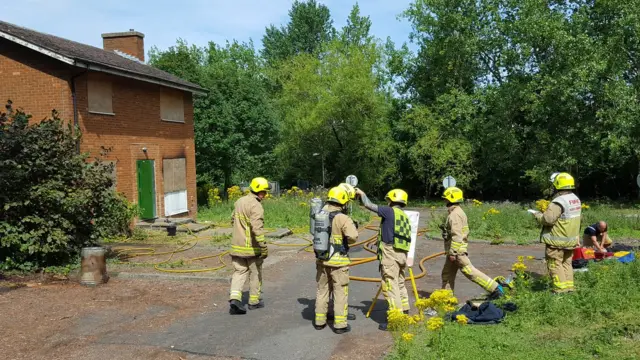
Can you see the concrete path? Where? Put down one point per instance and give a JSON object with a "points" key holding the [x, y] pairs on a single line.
{"points": [[156, 318], [283, 329]]}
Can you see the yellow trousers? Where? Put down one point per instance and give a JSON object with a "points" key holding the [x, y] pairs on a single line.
{"points": [[393, 264], [560, 269], [462, 262], [336, 280], [250, 267]]}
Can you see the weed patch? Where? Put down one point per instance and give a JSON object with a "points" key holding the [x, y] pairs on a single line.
{"points": [[601, 319], [506, 221]]}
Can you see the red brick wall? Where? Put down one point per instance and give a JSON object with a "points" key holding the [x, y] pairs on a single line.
{"points": [[136, 125], [38, 84], [132, 45], [34, 82]]}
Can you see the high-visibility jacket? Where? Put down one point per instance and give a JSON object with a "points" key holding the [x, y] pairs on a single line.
{"points": [[456, 229], [343, 232], [248, 227], [401, 232], [561, 222]]}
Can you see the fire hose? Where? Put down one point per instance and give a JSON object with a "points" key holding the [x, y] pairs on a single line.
{"points": [[131, 252]]}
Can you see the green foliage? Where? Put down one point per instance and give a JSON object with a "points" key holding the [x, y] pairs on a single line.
{"points": [[290, 212], [334, 107], [600, 320], [500, 94], [554, 88], [309, 28], [499, 222], [53, 200]]}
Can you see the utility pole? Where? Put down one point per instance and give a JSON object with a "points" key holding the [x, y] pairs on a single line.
{"points": [[322, 160], [323, 172]]}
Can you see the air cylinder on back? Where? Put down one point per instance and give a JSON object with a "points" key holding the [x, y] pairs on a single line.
{"points": [[315, 206]]}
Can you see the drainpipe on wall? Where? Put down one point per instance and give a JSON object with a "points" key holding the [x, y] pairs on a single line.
{"points": [[72, 84]]}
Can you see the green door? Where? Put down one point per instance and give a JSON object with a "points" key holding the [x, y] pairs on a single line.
{"points": [[146, 189]]}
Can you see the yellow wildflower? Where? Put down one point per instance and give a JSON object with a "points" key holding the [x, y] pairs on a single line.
{"points": [[449, 308], [407, 336], [530, 257], [520, 258], [435, 323], [423, 304], [584, 206], [518, 267], [397, 319], [303, 204], [462, 319], [477, 202], [542, 205], [234, 192], [213, 197]]}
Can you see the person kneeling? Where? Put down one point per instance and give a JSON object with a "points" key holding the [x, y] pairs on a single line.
{"points": [[596, 237]]}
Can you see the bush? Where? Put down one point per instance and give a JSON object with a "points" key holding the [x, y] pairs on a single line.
{"points": [[53, 200]]}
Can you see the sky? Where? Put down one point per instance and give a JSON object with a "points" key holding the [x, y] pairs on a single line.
{"points": [[196, 21]]}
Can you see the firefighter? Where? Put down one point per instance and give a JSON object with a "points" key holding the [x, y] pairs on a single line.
{"points": [[394, 237], [561, 231], [332, 266], [455, 232], [248, 247]]}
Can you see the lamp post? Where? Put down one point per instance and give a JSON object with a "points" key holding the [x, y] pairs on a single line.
{"points": [[322, 157]]}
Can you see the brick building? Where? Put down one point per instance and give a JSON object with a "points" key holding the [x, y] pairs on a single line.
{"points": [[143, 114]]}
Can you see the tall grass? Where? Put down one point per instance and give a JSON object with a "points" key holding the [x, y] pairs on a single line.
{"points": [[601, 320], [506, 221], [285, 212]]}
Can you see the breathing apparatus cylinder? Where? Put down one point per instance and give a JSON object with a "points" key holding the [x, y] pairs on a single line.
{"points": [[320, 228], [315, 206]]}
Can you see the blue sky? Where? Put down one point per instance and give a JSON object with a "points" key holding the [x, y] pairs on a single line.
{"points": [[197, 21]]}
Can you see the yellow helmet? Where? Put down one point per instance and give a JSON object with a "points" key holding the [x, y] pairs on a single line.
{"points": [[259, 184], [397, 196], [351, 191], [453, 195], [338, 195], [564, 181]]}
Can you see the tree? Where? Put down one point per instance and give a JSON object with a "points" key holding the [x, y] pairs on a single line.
{"points": [[552, 82], [53, 201], [356, 31], [333, 106], [309, 28]]}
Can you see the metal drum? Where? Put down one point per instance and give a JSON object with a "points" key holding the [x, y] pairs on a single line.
{"points": [[93, 266]]}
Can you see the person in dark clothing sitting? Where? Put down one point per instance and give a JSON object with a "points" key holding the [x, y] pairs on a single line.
{"points": [[597, 237]]}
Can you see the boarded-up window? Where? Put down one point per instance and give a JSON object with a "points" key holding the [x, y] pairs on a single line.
{"points": [[100, 95], [171, 105], [175, 186]]}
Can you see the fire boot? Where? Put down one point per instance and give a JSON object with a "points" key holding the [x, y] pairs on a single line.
{"points": [[236, 308], [350, 316], [343, 330], [259, 305]]}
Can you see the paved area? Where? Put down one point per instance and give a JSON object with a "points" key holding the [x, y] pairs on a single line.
{"points": [[163, 319]]}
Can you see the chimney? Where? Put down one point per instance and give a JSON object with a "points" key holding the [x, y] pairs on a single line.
{"points": [[130, 42]]}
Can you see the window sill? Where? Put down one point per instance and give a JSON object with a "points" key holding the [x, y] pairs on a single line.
{"points": [[174, 121], [101, 113]]}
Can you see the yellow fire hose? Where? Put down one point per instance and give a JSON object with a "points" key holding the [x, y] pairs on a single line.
{"points": [[130, 252]]}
